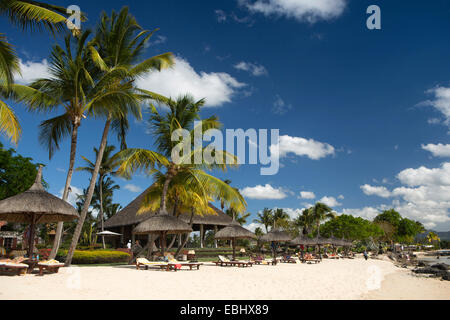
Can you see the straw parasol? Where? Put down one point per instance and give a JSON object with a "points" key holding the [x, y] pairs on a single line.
{"points": [[162, 224], [232, 232], [36, 206], [276, 235]]}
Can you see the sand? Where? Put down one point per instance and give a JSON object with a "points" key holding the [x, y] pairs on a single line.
{"points": [[332, 279]]}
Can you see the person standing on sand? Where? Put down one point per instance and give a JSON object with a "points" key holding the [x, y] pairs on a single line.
{"points": [[366, 256]]}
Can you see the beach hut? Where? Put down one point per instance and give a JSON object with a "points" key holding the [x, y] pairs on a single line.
{"points": [[127, 219], [275, 236], [233, 232], [36, 206], [162, 224]]}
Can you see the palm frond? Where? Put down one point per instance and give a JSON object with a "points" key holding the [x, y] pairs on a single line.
{"points": [[9, 124], [53, 131]]}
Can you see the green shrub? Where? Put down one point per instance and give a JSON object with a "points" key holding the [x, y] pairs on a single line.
{"points": [[95, 257]]}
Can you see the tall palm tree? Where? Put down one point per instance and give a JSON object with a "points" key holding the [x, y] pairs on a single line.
{"points": [[71, 85], [118, 45], [181, 114], [321, 212], [28, 15], [108, 166], [305, 221], [280, 217], [265, 218]]}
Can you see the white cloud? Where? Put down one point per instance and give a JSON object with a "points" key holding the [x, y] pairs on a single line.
{"points": [[301, 10], [376, 191], [441, 102], [73, 195], [307, 195], [252, 227], [293, 213], [330, 201], [266, 192], [31, 71], [133, 188], [217, 88], [438, 150], [341, 197], [366, 213], [254, 69], [425, 176], [424, 196], [303, 147], [280, 107]]}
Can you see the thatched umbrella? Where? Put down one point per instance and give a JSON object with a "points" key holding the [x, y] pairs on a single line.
{"points": [[276, 235], [36, 206], [162, 224], [232, 232]]}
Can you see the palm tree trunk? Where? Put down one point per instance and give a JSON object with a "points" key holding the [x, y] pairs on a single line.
{"points": [[181, 247], [100, 182], [163, 206], [73, 150], [87, 203]]}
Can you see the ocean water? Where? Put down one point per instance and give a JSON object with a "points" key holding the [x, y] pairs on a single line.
{"points": [[433, 260]]}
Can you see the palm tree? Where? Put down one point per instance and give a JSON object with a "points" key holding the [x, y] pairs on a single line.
{"points": [[181, 114], [305, 221], [321, 212], [108, 166], [119, 42], [265, 218], [280, 218], [240, 218], [71, 86], [432, 236], [30, 15]]}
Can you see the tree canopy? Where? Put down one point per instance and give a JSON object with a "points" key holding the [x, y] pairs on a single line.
{"points": [[17, 173]]}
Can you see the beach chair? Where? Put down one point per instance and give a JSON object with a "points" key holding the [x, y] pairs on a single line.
{"points": [[51, 266], [223, 262], [14, 267], [176, 265], [287, 259], [143, 262]]}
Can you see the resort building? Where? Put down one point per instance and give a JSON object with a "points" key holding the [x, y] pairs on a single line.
{"points": [[126, 220]]}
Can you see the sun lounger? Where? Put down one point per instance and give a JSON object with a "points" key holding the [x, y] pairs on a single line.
{"points": [[51, 266], [179, 264], [142, 262], [227, 262], [286, 260], [17, 268]]}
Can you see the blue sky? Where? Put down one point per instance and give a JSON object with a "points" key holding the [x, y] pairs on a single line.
{"points": [[364, 115]]}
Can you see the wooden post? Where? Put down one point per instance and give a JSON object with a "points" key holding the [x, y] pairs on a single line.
{"points": [[215, 240], [122, 231], [202, 232]]}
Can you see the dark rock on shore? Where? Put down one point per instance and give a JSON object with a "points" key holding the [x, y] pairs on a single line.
{"points": [[439, 271], [441, 266]]}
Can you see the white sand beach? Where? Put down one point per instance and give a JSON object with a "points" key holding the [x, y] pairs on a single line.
{"points": [[332, 279]]}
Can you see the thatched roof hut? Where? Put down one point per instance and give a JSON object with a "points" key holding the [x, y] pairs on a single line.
{"points": [[129, 217], [234, 231], [36, 206], [276, 235], [302, 240], [162, 223], [36, 203]]}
